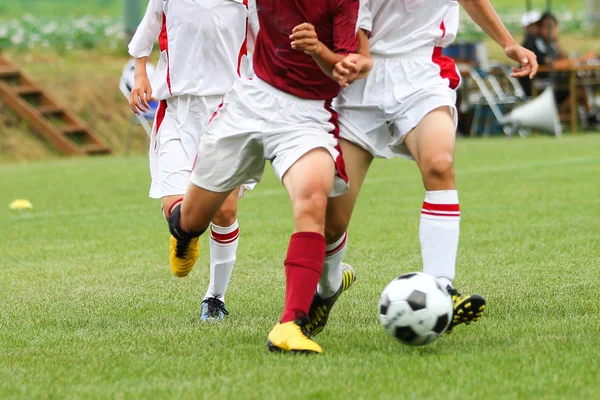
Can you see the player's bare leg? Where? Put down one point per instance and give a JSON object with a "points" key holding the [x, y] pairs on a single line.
{"points": [[188, 219], [432, 145], [308, 183], [338, 277], [224, 238], [167, 202]]}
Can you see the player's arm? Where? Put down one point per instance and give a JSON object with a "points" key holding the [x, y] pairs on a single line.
{"points": [[304, 38], [140, 48], [483, 14]]}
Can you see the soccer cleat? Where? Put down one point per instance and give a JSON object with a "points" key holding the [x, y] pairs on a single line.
{"points": [[320, 307], [292, 337], [213, 309], [184, 254], [467, 309]]}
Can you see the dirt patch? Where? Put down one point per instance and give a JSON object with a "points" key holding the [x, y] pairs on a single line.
{"points": [[86, 83]]}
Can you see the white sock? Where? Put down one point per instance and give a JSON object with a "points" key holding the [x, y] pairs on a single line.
{"points": [[439, 231], [223, 247], [331, 279]]}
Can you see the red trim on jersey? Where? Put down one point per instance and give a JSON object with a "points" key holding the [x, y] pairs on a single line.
{"points": [[244, 48], [443, 28], [194, 163], [225, 238], [215, 112], [163, 42], [160, 116], [447, 67], [339, 247], [340, 165]]}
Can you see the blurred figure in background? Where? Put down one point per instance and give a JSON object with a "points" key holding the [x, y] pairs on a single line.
{"points": [[529, 22], [549, 52]]}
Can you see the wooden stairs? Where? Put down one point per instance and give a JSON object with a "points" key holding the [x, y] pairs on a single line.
{"points": [[47, 117]]}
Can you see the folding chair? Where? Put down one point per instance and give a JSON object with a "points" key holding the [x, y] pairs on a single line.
{"points": [[539, 113], [494, 96], [144, 119]]}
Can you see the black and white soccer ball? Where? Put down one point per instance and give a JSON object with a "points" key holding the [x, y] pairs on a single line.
{"points": [[415, 309]]}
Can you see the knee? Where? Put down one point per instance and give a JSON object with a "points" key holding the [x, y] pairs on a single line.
{"points": [[226, 215], [438, 168], [311, 208]]}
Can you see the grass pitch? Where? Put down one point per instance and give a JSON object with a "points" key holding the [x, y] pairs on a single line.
{"points": [[89, 308]]}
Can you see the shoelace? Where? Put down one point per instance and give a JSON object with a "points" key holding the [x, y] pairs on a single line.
{"points": [[302, 321], [453, 292], [216, 306], [182, 248]]}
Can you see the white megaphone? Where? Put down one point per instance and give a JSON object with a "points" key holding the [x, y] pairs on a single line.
{"points": [[540, 113]]}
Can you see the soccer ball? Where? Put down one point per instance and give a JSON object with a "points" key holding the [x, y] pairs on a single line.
{"points": [[415, 309]]}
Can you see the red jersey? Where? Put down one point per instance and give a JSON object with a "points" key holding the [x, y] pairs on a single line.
{"points": [[292, 71]]}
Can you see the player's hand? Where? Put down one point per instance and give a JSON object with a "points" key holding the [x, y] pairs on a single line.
{"points": [[140, 94], [346, 71], [527, 59], [351, 68], [304, 38]]}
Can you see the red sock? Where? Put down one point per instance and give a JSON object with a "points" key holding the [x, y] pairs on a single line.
{"points": [[303, 267]]}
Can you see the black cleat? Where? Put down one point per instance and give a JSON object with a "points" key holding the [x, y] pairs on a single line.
{"points": [[320, 308], [467, 309]]}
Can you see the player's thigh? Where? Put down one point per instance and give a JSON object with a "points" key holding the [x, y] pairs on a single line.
{"points": [[340, 208], [433, 137], [312, 174], [308, 183], [199, 207]]}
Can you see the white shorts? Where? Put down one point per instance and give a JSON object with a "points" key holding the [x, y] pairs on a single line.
{"points": [[179, 124], [258, 122], [378, 112]]}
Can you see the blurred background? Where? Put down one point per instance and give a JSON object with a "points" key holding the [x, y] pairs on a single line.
{"points": [[75, 51]]}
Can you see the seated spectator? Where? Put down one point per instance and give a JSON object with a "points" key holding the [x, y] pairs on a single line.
{"points": [[529, 22], [548, 52]]}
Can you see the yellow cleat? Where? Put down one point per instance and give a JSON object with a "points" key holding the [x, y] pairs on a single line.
{"points": [[183, 255], [292, 337], [467, 309]]}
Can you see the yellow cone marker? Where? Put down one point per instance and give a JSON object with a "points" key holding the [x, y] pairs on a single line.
{"points": [[20, 204]]}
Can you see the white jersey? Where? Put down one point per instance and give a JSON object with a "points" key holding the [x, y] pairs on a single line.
{"points": [[203, 44], [401, 26]]}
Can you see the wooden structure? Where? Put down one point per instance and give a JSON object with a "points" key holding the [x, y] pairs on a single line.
{"points": [[579, 75], [46, 116]]}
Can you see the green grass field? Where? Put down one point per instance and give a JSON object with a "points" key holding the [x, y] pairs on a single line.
{"points": [[89, 309]]}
